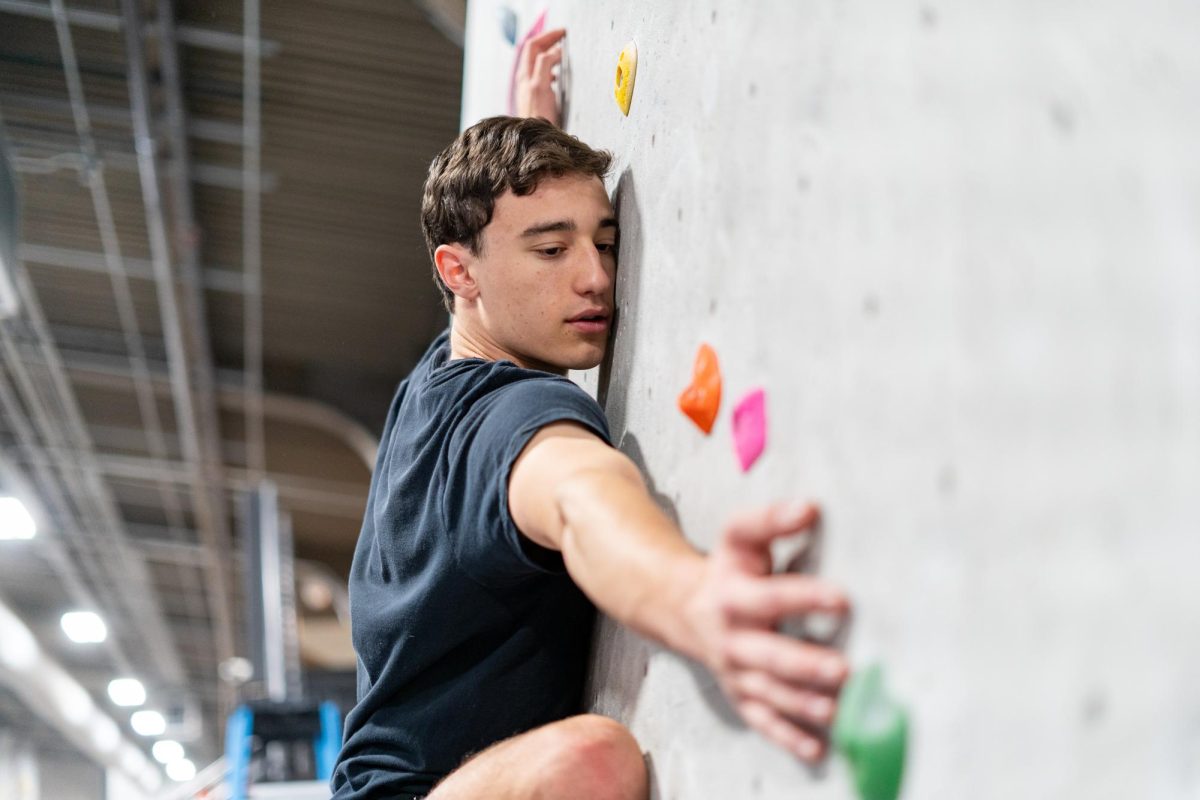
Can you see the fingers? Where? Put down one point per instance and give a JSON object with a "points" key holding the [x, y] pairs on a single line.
{"points": [[546, 39], [537, 46], [762, 526], [536, 95], [768, 599], [780, 730], [786, 659], [535, 78], [795, 702], [543, 67]]}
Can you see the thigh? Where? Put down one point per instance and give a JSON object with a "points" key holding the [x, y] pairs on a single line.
{"points": [[586, 757]]}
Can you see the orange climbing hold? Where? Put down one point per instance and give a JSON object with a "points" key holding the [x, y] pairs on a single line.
{"points": [[702, 398]]}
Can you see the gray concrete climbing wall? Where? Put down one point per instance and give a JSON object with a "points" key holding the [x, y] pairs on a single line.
{"points": [[958, 243]]}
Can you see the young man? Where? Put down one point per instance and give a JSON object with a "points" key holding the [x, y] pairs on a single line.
{"points": [[499, 513]]}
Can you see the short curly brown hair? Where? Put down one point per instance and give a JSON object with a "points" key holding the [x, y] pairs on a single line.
{"points": [[491, 157]]}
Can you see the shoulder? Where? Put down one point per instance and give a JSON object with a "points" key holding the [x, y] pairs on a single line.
{"points": [[526, 386], [521, 401]]}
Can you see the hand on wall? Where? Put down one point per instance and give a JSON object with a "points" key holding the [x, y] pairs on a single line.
{"points": [[784, 688], [535, 95]]}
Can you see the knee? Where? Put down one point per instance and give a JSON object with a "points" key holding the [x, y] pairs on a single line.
{"points": [[597, 758]]}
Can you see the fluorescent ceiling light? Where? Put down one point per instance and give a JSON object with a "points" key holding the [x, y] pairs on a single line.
{"points": [[127, 691], [18, 649], [151, 779], [148, 723], [166, 751], [15, 520], [181, 770], [132, 760], [84, 627], [72, 700], [106, 736]]}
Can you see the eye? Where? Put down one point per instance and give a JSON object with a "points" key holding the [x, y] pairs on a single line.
{"points": [[551, 252], [606, 247]]}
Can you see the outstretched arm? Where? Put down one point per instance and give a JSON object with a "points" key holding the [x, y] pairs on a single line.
{"points": [[570, 491]]}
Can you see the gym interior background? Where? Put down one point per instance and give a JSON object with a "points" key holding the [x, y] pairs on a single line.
{"points": [[955, 244], [170, 345]]}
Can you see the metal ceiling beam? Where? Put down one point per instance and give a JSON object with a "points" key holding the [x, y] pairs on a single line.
{"points": [[87, 515], [448, 16], [315, 495], [318, 415], [57, 508], [217, 175], [215, 279], [252, 304], [111, 371], [192, 35], [159, 544], [51, 404], [209, 130], [108, 371], [191, 412]]}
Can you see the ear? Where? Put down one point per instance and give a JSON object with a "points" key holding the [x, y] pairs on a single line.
{"points": [[455, 263]]}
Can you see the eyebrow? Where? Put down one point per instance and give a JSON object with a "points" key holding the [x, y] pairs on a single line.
{"points": [[564, 225]]}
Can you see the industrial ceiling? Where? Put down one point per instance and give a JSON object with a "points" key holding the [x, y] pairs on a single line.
{"points": [[220, 279]]}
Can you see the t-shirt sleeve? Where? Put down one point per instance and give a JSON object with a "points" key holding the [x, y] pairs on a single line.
{"points": [[487, 543]]}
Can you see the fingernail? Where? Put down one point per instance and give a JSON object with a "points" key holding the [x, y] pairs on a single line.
{"points": [[808, 749], [793, 513], [821, 708], [833, 669]]}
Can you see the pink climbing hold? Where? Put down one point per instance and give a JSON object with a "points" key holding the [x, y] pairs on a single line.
{"points": [[750, 427]]}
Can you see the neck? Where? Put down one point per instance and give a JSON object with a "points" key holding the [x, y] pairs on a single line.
{"points": [[468, 342]]}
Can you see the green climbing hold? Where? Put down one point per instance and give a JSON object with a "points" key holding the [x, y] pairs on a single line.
{"points": [[871, 732]]}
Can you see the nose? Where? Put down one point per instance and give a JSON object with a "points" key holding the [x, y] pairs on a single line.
{"points": [[596, 273]]}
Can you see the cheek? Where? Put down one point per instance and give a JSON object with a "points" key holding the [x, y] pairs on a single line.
{"points": [[529, 297]]}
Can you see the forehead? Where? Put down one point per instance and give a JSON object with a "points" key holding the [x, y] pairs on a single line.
{"points": [[581, 198]]}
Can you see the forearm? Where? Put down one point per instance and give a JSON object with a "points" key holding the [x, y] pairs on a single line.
{"points": [[629, 557], [572, 492]]}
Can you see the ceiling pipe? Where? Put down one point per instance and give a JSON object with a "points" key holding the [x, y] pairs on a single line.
{"points": [[318, 415], [302, 493], [104, 552], [252, 303], [214, 279], [52, 496], [114, 263], [97, 559], [39, 158], [212, 130], [192, 35], [203, 461], [94, 370], [187, 239], [448, 16]]}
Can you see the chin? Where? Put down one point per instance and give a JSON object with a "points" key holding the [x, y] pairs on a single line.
{"points": [[584, 360]]}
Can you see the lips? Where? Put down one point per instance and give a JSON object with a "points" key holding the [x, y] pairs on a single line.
{"points": [[591, 315], [593, 320]]}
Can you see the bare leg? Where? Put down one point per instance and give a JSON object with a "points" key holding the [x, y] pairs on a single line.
{"points": [[588, 757]]}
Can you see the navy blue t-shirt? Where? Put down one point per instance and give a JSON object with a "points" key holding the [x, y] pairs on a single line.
{"points": [[466, 631]]}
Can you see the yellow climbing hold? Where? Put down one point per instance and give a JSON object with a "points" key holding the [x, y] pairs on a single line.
{"points": [[626, 74]]}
